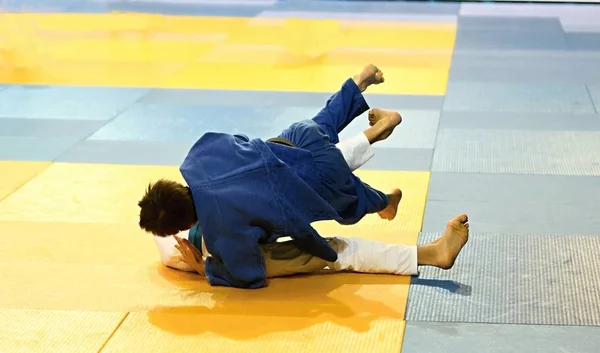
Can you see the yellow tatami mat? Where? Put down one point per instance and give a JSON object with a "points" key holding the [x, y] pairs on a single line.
{"points": [[14, 174], [326, 313], [69, 240], [222, 52], [96, 193], [55, 331]]}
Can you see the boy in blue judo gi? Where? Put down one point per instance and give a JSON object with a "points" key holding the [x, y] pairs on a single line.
{"points": [[186, 251], [243, 192]]}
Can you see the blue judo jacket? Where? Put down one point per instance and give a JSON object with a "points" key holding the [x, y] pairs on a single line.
{"points": [[246, 195]]}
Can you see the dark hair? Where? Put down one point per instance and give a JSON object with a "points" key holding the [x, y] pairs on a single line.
{"points": [[167, 208]]}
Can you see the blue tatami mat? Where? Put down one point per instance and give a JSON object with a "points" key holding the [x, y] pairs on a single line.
{"points": [[521, 217], [406, 159], [528, 26], [281, 99], [50, 128], [333, 6], [318, 9], [179, 123], [126, 152], [539, 66], [438, 337], [520, 121], [518, 97], [186, 8], [66, 102], [584, 41], [505, 203], [518, 152], [35, 5], [548, 37], [185, 123], [514, 279], [594, 91], [365, 16], [33, 148], [172, 153]]}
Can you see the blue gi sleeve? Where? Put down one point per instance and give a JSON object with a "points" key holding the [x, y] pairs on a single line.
{"points": [[241, 264]]}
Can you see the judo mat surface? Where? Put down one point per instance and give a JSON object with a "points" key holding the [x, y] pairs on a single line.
{"points": [[501, 117]]}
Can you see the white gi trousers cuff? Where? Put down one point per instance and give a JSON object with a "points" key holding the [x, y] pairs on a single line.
{"points": [[367, 256], [356, 150]]}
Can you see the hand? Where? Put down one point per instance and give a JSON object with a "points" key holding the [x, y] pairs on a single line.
{"points": [[191, 255]]}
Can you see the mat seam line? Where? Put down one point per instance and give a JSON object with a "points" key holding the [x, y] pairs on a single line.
{"points": [[587, 89], [27, 181], [106, 122], [111, 335], [430, 171], [437, 131]]}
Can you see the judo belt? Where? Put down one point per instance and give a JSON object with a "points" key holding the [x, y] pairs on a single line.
{"points": [[281, 141]]}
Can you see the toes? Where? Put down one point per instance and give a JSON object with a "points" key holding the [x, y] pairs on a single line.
{"points": [[399, 192], [463, 218]]}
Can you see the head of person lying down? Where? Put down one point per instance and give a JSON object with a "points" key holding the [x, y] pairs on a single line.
{"points": [[167, 208]]}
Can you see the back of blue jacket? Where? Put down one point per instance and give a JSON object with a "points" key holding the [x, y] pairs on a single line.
{"points": [[245, 195]]}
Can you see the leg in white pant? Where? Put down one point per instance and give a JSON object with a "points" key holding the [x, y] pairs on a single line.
{"points": [[360, 255], [367, 256]]}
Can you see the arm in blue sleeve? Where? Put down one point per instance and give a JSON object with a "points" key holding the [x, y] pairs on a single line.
{"points": [[240, 263]]}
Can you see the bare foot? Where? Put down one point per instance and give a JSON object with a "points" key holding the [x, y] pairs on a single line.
{"points": [[371, 75], [390, 211], [452, 241], [385, 121]]}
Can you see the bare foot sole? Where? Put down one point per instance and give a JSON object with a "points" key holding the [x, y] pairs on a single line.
{"points": [[452, 241], [391, 210], [385, 120], [371, 75]]}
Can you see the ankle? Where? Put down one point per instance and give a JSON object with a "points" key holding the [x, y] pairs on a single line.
{"points": [[428, 255], [362, 85]]}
